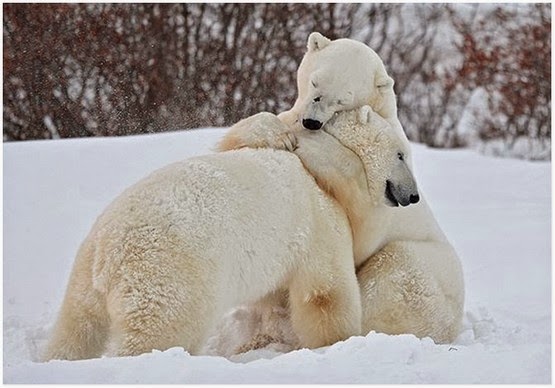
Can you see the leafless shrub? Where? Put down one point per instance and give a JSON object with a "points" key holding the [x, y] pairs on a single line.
{"points": [[115, 69], [513, 67]]}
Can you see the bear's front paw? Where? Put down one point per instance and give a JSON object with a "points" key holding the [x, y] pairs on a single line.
{"points": [[289, 140], [263, 130]]}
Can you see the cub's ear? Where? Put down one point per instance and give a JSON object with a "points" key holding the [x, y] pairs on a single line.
{"points": [[384, 82], [317, 41]]}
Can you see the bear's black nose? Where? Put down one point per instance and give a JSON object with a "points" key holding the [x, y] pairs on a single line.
{"points": [[312, 124], [414, 198]]}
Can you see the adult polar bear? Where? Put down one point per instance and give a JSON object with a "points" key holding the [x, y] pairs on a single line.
{"points": [[411, 280], [333, 76], [177, 250]]}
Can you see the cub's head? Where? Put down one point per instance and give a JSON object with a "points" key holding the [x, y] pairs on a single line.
{"points": [[340, 75], [385, 157]]}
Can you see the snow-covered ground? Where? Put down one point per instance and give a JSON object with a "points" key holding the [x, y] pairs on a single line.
{"points": [[496, 212]]}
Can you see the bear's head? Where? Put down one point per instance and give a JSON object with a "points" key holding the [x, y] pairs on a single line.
{"points": [[383, 154], [340, 75]]}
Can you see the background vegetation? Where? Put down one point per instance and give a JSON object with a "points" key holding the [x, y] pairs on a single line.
{"points": [[465, 74]]}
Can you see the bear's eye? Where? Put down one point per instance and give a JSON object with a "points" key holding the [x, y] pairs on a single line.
{"points": [[400, 156], [339, 102], [317, 99], [314, 84]]}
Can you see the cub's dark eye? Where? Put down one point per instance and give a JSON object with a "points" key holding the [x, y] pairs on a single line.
{"points": [[400, 156], [339, 102], [313, 84], [317, 99]]}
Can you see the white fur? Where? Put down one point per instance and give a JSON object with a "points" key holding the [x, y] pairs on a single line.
{"points": [[412, 280], [342, 74], [177, 250], [332, 70], [409, 275]]}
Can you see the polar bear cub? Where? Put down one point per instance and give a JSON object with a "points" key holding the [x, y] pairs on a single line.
{"points": [[178, 249]]}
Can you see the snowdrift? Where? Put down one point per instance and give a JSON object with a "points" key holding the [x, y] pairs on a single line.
{"points": [[496, 212]]}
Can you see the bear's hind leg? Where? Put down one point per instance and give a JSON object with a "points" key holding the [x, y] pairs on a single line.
{"points": [[413, 287], [81, 330], [159, 305]]}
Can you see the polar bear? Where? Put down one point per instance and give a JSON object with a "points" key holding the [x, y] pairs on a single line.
{"points": [[412, 281], [410, 277], [334, 76], [329, 71], [178, 249]]}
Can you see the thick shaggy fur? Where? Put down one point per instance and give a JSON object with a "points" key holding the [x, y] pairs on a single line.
{"points": [[335, 76], [412, 280], [177, 250], [409, 275]]}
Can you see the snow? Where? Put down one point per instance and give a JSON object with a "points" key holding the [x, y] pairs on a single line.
{"points": [[495, 211]]}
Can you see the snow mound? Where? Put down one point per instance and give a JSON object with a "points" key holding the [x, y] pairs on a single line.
{"points": [[496, 212]]}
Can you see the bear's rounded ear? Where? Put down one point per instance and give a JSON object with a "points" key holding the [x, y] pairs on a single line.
{"points": [[317, 41], [384, 81]]}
